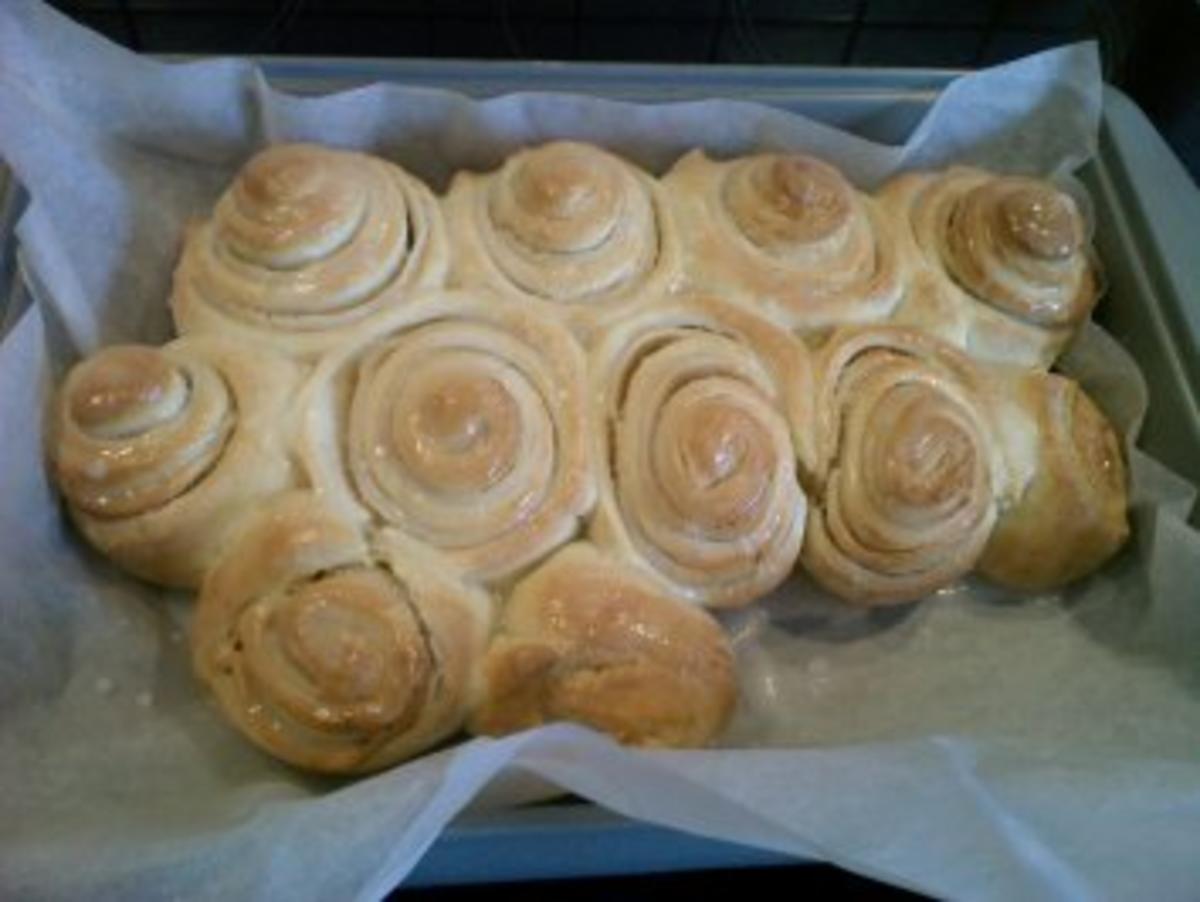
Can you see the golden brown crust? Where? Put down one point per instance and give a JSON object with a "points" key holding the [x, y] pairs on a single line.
{"points": [[703, 406], [571, 229], [907, 493], [1000, 264], [787, 234], [461, 420], [332, 654], [1073, 516], [160, 450], [589, 639], [305, 247]]}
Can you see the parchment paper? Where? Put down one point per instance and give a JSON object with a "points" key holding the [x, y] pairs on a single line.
{"points": [[976, 745]]}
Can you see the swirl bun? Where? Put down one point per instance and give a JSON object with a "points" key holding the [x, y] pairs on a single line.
{"points": [[569, 227], [463, 422], [699, 399], [331, 654], [907, 496], [158, 450], [307, 244], [1006, 270], [788, 234]]}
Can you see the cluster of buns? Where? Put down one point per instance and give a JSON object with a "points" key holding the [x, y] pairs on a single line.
{"points": [[484, 460]]}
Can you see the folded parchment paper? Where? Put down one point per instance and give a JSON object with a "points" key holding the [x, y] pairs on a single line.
{"points": [[974, 746]]}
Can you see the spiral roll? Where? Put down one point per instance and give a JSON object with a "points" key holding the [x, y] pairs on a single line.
{"points": [[332, 654], [907, 498], [569, 227], [1005, 271], [159, 450], [698, 402], [307, 244], [788, 234], [463, 423]]}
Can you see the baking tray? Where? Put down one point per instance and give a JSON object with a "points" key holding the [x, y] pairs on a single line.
{"points": [[1147, 215]]}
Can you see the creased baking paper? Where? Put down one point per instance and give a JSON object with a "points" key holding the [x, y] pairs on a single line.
{"points": [[974, 746]]}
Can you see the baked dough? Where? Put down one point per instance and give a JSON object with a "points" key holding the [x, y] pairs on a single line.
{"points": [[462, 420], [703, 408], [158, 451], [1072, 516], [332, 653], [788, 234], [999, 264], [907, 493], [575, 231], [744, 368], [307, 245], [589, 639]]}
